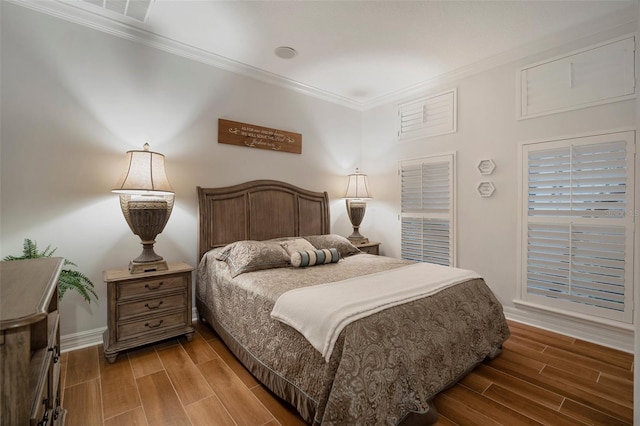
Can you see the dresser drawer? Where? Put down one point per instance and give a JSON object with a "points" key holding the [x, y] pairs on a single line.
{"points": [[149, 287], [41, 401], [150, 324], [151, 305], [54, 380]]}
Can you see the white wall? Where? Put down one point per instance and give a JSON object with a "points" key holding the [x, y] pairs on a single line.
{"points": [[74, 100], [487, 128]]}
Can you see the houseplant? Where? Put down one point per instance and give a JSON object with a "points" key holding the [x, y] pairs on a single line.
{"points": [[69, 279]]}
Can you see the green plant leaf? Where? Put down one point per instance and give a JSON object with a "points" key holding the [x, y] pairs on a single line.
{"points": [[69, 279]]}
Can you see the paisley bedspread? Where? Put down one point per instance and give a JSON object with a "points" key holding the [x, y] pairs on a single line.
{"points": [[383, 366]]}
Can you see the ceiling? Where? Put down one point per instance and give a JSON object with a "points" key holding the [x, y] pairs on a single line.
{"points": [[358, 53]]}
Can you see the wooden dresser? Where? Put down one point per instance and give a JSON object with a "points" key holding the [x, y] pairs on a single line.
{"points": [[147, 307], [30, 343]]}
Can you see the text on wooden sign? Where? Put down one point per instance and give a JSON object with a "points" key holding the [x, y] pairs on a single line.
{"points": [[243, 134]]}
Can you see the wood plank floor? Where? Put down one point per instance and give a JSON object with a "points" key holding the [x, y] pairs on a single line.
{"points": [[541, 378]]}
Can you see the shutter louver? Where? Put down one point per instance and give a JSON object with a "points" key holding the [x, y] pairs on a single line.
{"points": [[135, 9], [599, 175], [426, 240], [432, 116], [584, 264], [578, 239], [587, 181], [426, 205]]}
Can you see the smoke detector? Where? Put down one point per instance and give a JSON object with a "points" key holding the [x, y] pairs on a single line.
{"points": [[285, 52]]}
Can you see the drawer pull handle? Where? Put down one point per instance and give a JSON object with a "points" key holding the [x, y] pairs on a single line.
{"points": [[151, 308], [154, 325], [56, 353], [154, 287], [45, 418]]}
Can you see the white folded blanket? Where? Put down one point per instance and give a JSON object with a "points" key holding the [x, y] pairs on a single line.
{"points": [[320, 312]]}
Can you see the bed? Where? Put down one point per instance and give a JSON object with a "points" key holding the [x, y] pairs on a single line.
{"points": [[384, 368]]}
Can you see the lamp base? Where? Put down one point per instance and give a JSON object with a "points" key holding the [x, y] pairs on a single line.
{"points": [[147, 216], [140, 267], [357, 239], [356, 209], [148, 261]]}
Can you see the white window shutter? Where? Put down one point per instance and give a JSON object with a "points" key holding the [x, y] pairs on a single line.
{"points": [[430, 116], [578, 224], [584, 180], [592, 76], [427, 210], [583, 264]]}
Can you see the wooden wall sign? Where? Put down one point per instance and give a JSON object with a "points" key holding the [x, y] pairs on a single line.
{"points": [[243, 134]]}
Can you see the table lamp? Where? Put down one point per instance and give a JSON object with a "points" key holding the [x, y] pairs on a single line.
{"points": [[146, 200], [356, 194]]}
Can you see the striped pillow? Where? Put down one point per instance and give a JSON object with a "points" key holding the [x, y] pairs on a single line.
{"points": [[300, 259]]}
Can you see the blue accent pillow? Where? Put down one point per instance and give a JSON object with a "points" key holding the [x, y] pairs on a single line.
{"points": [[301, 259]]}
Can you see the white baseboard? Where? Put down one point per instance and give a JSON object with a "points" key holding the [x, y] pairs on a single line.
{"points": [[606, 336], [617, 338], [84, 339]]}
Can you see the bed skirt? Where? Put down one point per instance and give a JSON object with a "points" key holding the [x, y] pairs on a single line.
{"points": [[290, 393], [270, 379]]}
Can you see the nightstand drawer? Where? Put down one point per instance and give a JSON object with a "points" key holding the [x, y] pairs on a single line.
{"points": [[371, 248], [150, 324], [155, 305], [150, 286]]}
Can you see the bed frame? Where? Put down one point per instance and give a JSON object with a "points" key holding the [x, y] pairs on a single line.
{"points": [[255, 210], [259, 210]]}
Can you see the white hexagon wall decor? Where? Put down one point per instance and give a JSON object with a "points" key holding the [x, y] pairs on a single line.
{"points": [[486, 167], [486, 189]]}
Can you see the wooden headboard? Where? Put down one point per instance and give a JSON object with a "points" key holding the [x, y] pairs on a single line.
{"points": [[259, 210]]}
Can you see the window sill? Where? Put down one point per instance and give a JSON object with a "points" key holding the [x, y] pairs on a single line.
{"points": [[618, 325]]}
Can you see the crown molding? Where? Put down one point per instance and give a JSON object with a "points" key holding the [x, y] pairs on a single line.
{"points": [[615, 25], [133, 30]]}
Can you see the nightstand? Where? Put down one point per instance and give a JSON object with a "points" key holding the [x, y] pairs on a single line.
{"points": [[371, 248], [147, 307]]}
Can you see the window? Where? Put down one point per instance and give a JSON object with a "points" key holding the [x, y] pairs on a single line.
{"points": [[430, 116], [427, 209], [578, 224], [595, 75]]}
